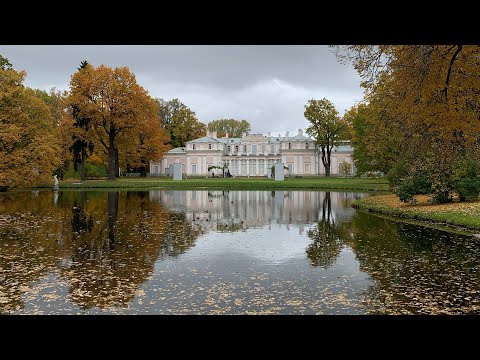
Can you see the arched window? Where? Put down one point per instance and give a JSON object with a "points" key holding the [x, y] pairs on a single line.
{"points": [[229, 149], [193, 146], [306, 145], [289, 145], [209, 146], [244, 148], [236, 149]]}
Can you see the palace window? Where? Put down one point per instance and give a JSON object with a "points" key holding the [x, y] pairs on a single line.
{"points": [[254, 149], [306, 145], [229, 149], [209, 146], [261, 166], [244, 148], [193, 146], [289, 145], [273, 149]]}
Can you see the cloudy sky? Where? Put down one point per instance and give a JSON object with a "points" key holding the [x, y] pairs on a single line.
{"points": [[264, 84]]}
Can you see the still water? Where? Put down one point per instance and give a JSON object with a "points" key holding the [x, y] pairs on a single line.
{"points": [[225, 252]]}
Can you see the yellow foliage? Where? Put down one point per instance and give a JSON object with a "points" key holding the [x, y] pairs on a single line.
{"points": [[29, 145], [124, 118]]}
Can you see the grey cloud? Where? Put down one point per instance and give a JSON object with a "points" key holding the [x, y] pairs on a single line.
{"points": [[267, 85]]}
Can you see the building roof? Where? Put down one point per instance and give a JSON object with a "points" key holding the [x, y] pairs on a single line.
{"points": [[229, 140], [205, 139], [178, 150], [343, 148], [274, 139], [298, 138]]}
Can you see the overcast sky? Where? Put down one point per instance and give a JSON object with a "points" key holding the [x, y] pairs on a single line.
{"points": [[264, 84]]}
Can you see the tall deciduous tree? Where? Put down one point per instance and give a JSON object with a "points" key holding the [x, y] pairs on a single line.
{"points": [[326, 127], [29, 150], [81, 146], [232, 127], [146, 143], [116, 106], [432, 95], [56, 102], [179, 122]]}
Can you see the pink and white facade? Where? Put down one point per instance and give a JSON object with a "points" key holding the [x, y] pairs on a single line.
{"points": [[252, 155]]}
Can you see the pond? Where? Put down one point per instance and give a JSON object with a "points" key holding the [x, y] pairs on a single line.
{"points": [[225, 252]]}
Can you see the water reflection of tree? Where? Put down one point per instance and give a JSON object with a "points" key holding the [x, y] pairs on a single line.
{"points": [[327, 236], [26, 245], [110, 263], [415, 269], [103, 244]]}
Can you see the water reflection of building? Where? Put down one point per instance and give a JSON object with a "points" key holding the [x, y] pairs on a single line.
{"points": [[237, 210]]}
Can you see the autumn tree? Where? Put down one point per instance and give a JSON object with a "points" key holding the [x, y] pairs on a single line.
{"points": [[345, 168], [146, 143], [116, 106], [56, 102], [432, 95], [234, 128], [29, 150], [179, 122], [81, 146], [326, 127], [376, 138]]}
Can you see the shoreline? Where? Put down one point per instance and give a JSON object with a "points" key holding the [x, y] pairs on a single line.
{"points": [[465, 215], [351, 184]]}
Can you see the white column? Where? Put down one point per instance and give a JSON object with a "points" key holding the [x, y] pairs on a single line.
{"points": [[295, 164], [248, 168], [300, 165], [256, 167], [205, 170]]}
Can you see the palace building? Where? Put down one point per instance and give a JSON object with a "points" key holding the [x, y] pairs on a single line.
{"points": [[251, 155]]}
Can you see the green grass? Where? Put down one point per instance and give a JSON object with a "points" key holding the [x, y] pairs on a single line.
{"points": [[234, 184], [465, 215]]}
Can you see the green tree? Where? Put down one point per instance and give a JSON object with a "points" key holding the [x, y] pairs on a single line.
{"points": [[185, 127], [376, 138], [234, 128], [326, 127], [179, 122]]}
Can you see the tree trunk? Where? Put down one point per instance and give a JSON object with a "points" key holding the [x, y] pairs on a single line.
{"points": [[112, 159], [117, 164], [143, 168], [82, 166], [326, 161], [327, 169]]}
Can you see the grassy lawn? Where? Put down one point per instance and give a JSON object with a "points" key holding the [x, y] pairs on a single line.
{"points": [[234, 184], [465, 214]]}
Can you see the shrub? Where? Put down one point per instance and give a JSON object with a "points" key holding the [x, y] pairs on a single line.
{"points": [[397, 174], [468, 188], [95, 171], [418, 183], [406, 191]]}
